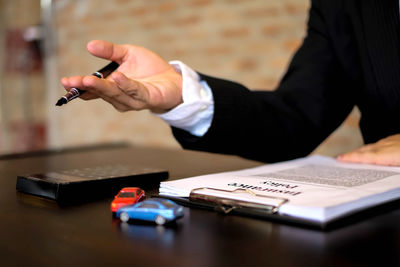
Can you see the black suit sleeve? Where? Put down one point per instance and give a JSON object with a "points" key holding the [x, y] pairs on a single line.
{"points": [[312, 100]]}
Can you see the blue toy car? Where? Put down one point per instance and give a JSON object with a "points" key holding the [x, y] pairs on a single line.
{"points": [[157, 210]]}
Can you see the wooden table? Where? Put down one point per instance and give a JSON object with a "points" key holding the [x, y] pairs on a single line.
{"points": [[38, 232]]}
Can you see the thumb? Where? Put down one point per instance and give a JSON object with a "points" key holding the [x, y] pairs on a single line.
{"points": [[107, 50]]}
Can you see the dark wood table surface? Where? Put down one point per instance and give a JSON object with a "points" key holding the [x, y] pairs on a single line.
{"points": [[38, 232]]}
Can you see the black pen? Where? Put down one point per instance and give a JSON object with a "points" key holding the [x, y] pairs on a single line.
{"points": [[76, 92]]}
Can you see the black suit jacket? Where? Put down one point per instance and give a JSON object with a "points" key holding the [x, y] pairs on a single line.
{"points": [[350, 56]]}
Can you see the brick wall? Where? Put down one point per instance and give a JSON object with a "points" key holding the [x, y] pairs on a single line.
{"points": [[22, 93], [247, 41]]}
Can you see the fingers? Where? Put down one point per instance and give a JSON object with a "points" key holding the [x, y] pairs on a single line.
{"points": [[120, 91], [366, 154], [112, 93], [368, 157], [132, 88], [358, 156], [378, 153], [107, 50], [76, 82]]}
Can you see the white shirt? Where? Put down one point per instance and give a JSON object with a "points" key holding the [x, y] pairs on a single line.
{"points": [[196, 112]]}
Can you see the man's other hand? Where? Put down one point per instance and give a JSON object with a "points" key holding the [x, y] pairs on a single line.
{"points": [[384, 152]]}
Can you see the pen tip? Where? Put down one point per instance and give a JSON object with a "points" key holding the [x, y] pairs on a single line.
{"points": [[61, 102]]}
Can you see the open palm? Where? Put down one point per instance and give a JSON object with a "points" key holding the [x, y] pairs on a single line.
{"points": [[142, 81]]}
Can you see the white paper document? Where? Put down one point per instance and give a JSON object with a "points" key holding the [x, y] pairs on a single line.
{"points": [[314, 188]]}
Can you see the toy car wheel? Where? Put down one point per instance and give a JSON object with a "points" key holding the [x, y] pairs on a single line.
{"points": [[160, 220], [124, 216]]}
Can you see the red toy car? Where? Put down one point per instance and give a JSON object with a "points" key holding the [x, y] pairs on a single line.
{"points": [[127, 196]]}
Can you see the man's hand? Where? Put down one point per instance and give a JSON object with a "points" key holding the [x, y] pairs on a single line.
{"points": [[142, 81], [384, 152]]}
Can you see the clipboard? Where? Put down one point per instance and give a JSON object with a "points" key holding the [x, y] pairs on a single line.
{"points": [[228, 206]]}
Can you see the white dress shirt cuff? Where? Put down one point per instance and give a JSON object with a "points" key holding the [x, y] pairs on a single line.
{"points": [[195, 113]]}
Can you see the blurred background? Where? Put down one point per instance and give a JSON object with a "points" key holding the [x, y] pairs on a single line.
{"points": [[43, 40]]}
